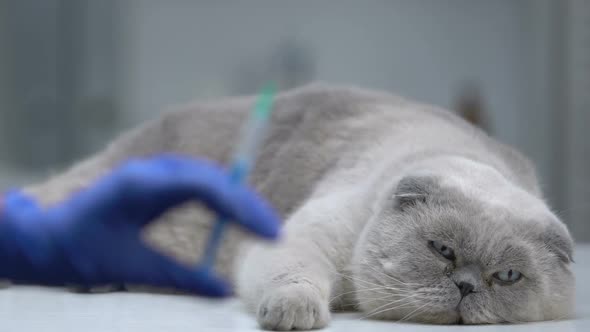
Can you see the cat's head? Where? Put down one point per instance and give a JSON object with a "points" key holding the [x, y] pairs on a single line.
{"points": [[441, 251]]}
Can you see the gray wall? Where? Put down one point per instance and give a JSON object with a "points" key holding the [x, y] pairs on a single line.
{"points": [[577, 117], [425, 49]]}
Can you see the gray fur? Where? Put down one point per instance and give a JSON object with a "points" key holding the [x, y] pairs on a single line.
{"points": [[364, 180]]}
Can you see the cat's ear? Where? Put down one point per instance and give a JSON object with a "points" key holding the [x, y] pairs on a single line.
{"points": [[558, 240], [414, 190]]}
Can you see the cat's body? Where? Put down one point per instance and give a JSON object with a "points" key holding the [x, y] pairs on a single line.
{"points": [[370, 186]]}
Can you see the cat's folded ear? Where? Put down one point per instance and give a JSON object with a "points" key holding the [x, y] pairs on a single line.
{"points": [[414, 190], [558, 240]]}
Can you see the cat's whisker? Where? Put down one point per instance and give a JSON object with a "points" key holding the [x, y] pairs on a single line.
{"points": [[389, 295], [385, 310], [382, 289], [392, 277], [395, 291], [389, 308], [357, 291], [385, 287], [348, 277], [373, 299], [414, 312], [368, 300], [405, 300]]}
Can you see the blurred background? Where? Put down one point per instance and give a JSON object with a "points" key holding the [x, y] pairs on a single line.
{"points": [[75, 73]]}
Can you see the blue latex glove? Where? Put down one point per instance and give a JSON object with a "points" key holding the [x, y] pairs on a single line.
{"points": [[93, 238]]}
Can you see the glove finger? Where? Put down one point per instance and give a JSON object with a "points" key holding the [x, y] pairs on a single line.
{"points": [[161, 271], [200, 281], [18, 201], [234, 201], [252, 212], [160, 183]]}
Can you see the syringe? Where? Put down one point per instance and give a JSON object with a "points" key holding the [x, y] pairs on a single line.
{"points": [[252, 135]]}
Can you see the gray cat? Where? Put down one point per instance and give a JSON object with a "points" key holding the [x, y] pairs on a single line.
{"points": [[395, 208]]}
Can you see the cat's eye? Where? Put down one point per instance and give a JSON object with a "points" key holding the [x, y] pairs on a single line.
{"points": [[508, 276], [443, 250]]}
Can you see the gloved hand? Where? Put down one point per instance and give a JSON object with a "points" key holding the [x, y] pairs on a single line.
{"points": [[93, 238]]}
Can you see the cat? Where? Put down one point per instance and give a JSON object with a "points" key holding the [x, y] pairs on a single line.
{"points": [[398, 209]]}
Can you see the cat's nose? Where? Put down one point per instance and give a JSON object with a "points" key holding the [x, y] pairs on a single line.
{"points": [[468, 279], [465, 288]]}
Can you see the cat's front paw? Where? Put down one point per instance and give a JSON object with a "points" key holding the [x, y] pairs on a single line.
{"points": [[293, 307]]}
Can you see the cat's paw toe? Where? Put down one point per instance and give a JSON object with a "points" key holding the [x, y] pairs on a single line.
{"points": [[293, 307]]}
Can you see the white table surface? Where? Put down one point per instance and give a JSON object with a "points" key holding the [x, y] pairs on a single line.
{"points": [[49, 310]]}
